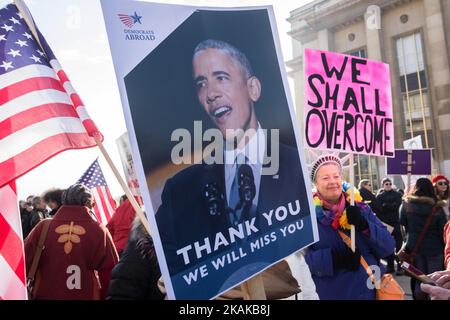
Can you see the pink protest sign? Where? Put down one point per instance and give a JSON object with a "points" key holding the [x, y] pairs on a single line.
{"points": [[348, 104]]}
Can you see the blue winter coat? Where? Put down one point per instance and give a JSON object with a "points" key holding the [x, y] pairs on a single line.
{"points": [[345, 284]]}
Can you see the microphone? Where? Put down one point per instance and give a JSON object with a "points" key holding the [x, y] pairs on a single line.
{"points": [[212, 194], [246, 184], [213, 198]]}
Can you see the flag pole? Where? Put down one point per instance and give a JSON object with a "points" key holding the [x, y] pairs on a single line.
{"points": [[29, 21], [352, 199], [409, 168]]}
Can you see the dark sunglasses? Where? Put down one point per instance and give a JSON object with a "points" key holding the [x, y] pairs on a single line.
{"points": [[388, 184], [442, 183]]}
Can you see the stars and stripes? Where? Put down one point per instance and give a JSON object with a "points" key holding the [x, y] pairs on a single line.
{"points": [[104, 203], [12, 262], [41, 115], [128, 20]]}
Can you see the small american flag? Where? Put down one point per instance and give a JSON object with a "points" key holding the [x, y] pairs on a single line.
{"points": [[12, 261], [104, 203], [40, 113]]}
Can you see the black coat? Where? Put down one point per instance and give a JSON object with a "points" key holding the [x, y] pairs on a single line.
{"points": [[136, 275], [25, 218], [390, 202], [35, 217], [414, 216]]}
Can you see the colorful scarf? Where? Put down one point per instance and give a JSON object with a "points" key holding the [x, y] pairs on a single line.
{"points": [[334, 214]]}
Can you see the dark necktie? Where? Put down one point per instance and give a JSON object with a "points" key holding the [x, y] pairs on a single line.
{"points": [[235, 215]]}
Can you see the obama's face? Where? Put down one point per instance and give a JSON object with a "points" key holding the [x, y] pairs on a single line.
{"points": [[225, 92]]}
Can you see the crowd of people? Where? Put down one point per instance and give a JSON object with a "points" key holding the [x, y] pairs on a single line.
{"points": [[118, 261], [419, 224], [79, 253]]}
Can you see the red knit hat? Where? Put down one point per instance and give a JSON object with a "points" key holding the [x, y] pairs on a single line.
{"points": [[439, 177]]}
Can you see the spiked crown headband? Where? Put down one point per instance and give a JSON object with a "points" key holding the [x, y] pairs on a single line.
{"points": [[323, 160], [326, 158]]}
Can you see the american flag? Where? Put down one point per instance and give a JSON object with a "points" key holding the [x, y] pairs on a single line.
{"points": [[12, 262], [104, 203], [40, 113]]}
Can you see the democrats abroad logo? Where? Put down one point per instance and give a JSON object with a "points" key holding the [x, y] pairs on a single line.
{"points": [[130, 21], [131, 33]]}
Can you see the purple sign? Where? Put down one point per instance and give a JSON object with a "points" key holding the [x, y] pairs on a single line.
{"points": [[420, 162]]}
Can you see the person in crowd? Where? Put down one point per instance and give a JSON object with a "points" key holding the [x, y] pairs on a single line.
{"points": [[365, 190], [39, 212], [122, 199], [120, 225], [78, 254], [25, 214], [337, 270], [422, 210], [52, 198], [441, 291], [440, 183], [30, 199], [136, 275], [390, 201]]}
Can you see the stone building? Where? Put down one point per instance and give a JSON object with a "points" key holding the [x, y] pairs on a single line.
{"points": [[413, 37]]}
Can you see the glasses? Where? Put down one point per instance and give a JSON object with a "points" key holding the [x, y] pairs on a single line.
{"points": [[442, 183], [388, 184]]}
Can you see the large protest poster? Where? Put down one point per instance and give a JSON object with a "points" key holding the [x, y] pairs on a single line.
{"points": [[348, 104], [212, 132]]}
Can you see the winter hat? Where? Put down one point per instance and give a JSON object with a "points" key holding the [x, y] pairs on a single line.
{"points": [[323, 160], [439, 177]]}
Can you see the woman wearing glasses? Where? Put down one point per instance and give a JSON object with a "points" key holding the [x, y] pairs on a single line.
{"points": [[440, 183]]}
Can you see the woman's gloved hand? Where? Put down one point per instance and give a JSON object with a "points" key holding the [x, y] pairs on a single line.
{"points": [[355, 218]]}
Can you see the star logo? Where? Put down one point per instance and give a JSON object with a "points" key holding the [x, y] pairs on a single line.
{"points": [[130, 21], [136, 18]]}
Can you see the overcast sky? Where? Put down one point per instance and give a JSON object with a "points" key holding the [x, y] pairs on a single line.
{"points": [[76, 33]]}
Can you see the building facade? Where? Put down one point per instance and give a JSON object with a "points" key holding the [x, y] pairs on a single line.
{"points": [[413, 37]]}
